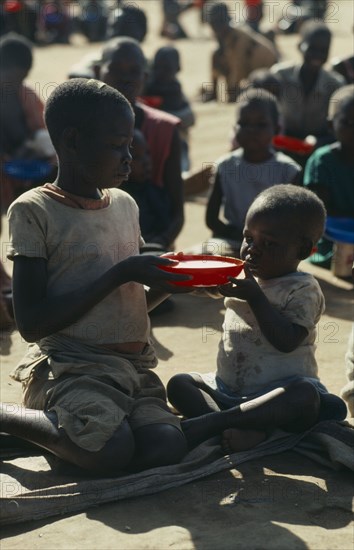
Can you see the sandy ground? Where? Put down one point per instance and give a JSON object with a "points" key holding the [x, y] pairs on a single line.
{"points": [[284, 501]]}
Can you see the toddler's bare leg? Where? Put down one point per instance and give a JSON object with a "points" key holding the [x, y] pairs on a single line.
{"points": [[40, 428], [294, 408], [189, 394]]}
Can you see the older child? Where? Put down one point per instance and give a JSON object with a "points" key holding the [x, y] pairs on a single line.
{"points": [[242, 174], [79, 297], [307, 87], [269, 327]]}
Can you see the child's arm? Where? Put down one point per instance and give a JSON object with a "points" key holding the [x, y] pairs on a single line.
{"points": [[284, 335], [39, 315], [213, 221]]}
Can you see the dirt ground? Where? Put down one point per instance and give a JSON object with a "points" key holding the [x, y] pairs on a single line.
{"points": [[283, 501]]}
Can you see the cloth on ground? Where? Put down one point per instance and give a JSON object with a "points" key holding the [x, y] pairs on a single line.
{"points": [[32, 491]]}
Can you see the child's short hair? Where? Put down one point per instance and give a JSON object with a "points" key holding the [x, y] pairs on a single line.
{"points": [[76, 103], [259, 97], [15, 51], [305, 212], [311, 27], [340, 100]]}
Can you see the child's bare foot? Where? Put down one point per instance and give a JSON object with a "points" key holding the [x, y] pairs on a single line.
{"points": [[234, 440]]}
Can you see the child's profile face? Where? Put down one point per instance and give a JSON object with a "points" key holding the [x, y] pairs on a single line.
{"points": [[343, 126], [254, 128], [103, 154], [270, 248], [141, 166], [315, 50]]}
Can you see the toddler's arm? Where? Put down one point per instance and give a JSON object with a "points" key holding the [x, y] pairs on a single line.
{"points": [[279, 331]]}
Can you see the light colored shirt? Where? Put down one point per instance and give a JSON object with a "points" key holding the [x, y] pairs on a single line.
{"points": [[81, 245], [242, 181], [246, 361]]}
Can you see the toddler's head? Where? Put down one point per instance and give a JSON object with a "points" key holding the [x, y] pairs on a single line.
{"points": [[341, 115], [257, 121], [282, 226], [16, 58], [315, 41], [141, 166]]}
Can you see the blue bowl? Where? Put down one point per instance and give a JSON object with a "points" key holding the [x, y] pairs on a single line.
{"points": [[340, 229], [28, 169]]}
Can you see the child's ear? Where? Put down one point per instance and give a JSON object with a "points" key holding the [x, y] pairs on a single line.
{"points": [[69, 139], [306, 249]]}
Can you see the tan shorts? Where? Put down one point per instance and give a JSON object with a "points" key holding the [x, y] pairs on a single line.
{"points": [[90, 408]]}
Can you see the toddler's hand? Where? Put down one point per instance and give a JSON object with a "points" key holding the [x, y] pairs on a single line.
{"points": [[245, 289], [145, 269]]}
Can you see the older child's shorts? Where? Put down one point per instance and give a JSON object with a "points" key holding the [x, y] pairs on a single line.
{"points": [[91, 401]]}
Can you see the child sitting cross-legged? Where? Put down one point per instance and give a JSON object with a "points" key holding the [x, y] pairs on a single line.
{"points": [[266, 362]]}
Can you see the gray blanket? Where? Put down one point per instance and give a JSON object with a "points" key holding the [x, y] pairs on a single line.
{"points": [[31, 488]]}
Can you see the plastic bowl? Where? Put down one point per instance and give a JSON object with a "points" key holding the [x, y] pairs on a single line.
{"points": [[340, 229], [293, 145], [206, 270]]}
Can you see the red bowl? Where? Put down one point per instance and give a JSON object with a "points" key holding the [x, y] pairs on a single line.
{"points": [[206, 270], [154, 101], [293, 145]]}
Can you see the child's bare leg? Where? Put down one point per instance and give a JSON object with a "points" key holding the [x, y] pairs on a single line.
{"points": [[188, 393], [40, 428], [294, 408], [158, 445], [235, 440]]}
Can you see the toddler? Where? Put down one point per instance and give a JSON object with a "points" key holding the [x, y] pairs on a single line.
{"points": [[269, 330]]}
